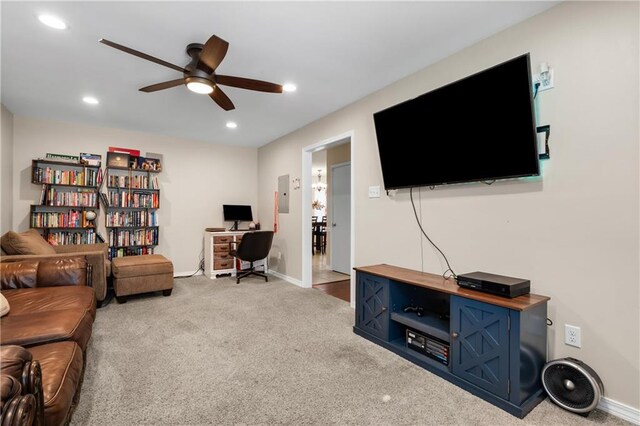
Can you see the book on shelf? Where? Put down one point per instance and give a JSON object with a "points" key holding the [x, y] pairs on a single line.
{"points": [[132, 152], [62, 157], [43, 193], [215, 229]]}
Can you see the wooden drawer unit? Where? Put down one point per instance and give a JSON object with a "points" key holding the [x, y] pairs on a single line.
{"points": [[217, 260], [219, 264], [223, 239], [221, 248], [221, 257]]}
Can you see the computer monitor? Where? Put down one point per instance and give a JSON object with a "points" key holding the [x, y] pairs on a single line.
{"points": [[236, 213]]}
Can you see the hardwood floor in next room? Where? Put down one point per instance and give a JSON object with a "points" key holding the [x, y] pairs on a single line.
{"points": [[330, 282]]}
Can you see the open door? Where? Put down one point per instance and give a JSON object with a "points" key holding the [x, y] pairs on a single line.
{"points": [[340, 219]]}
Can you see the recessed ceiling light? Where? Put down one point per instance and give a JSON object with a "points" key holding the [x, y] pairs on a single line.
{"points": [[90, 100], [231, 125], [289, 87], [52, 21]]}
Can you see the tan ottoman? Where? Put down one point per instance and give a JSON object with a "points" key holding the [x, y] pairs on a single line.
{"points": [[141, 274]]}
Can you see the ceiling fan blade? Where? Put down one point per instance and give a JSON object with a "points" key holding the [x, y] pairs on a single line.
{"points": [[221, 99], [213, 52], [163, 85], [249, 84], [141, 55]]}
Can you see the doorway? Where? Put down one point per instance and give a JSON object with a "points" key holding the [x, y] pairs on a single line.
{"points": [[325, 165]]}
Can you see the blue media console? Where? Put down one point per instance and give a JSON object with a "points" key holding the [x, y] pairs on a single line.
{"points": [[491, 346]]}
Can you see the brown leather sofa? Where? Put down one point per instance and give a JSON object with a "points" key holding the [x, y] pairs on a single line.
{"points": [[29, 245], [50, 320]]}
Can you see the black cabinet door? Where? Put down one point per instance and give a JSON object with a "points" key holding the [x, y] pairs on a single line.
{"points": [[480, 344], [372, 302]]}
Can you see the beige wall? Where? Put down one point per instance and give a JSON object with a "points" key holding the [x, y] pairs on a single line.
{"points": [[6, 171], [197, 178], [573, 232]]}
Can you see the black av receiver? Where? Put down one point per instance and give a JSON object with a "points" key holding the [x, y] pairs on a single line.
{"points": [[429, 346], [494, 284]]}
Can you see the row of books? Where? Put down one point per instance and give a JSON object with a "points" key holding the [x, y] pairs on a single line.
{"points": [[129, 251], [134, 181], [131, 218], [59, 238], [138, 237], [86, 177], [134, 199], [70, 219], [82, 197]]}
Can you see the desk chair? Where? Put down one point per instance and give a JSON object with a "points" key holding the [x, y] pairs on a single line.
{"points": [[253, 246]]}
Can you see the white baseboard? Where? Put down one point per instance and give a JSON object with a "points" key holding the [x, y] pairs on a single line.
{"points": [[620, 410], [286, 278], [187, 273]]}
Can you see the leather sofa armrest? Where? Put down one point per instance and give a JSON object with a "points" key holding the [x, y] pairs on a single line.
{"points": [[96, 259], [19, 370], [19, 410]]}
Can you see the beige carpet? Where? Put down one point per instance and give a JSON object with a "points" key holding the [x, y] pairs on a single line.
{"points": [[256, 353]]}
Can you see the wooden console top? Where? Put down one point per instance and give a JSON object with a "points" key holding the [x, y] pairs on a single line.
{"points": [[438, 283]]}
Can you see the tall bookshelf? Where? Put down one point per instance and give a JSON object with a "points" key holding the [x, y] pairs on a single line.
{"points": [[69, 191], [132, 200]]}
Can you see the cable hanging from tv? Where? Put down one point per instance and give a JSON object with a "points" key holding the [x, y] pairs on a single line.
{"points": [[415, 212]]}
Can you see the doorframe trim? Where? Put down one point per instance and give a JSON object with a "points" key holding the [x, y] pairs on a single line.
{"points": [[307, 178]]}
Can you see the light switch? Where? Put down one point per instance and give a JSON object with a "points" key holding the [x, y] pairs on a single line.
{"points": [[374, 191]]}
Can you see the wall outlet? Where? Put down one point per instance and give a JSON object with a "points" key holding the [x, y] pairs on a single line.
{"points": [[544, 85], [572, 335], [374, 191]]}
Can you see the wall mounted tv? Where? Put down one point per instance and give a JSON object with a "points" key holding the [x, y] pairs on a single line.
{"points": [[477, 129]]}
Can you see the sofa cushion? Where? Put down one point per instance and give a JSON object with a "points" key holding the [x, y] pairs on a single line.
{"points": [[36, 328], [63, 272], [43, 299], [28, 242], [62, 369], [4, 305]]}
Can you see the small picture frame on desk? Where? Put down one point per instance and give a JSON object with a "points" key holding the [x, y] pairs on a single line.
{"points": [[117, 159]]}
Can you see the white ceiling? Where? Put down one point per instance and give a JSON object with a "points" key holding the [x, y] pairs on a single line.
{"points": [[336, 53]]}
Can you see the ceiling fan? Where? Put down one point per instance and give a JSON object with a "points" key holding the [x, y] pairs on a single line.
{"points": [[199, 74]]}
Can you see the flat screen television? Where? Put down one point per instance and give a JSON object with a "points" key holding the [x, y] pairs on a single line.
{"points": [[479, 128], [236, 213]]}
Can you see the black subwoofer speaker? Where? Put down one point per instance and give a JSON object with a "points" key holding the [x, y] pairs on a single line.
{"points": [[572, 384]]}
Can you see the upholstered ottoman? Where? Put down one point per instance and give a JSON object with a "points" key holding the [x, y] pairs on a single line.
{"points": [[141, 274]]}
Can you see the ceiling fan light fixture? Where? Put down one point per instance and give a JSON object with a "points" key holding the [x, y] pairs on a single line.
{"points": [[199, 85], [289, 87]]}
